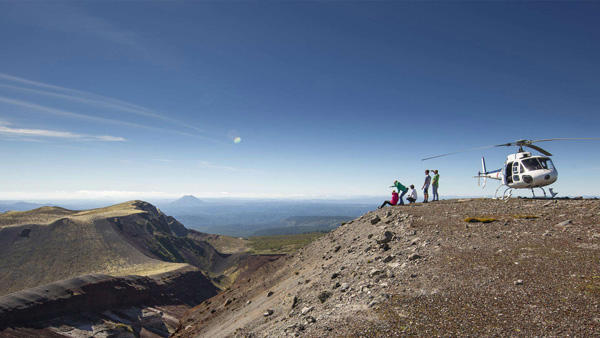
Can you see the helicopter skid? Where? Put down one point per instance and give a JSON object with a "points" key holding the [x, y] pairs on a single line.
{"points": [[505, 195], [552, 194]]}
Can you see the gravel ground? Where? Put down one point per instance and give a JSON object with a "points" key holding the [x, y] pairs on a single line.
{"points": [[532, 270]]}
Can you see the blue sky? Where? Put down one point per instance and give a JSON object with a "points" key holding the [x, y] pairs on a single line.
{"points": [[145, 99]]}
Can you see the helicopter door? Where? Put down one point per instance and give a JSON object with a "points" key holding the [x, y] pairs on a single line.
{"points": [[515, 172], [508, 173]]}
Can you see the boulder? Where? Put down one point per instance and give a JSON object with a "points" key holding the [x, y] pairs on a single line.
{"points": [[385, 237], [414, 256], [323, 296], [306, 310], [374, 272]]}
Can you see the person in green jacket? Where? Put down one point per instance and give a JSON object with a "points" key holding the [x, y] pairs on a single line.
{"points": [[402, 188], [435, 183]]}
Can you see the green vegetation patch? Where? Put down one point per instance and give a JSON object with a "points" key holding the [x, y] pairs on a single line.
{"points": [[282, 244], [120, 327], [156, 247], [170, 248], [480, 219], [526, 216]]}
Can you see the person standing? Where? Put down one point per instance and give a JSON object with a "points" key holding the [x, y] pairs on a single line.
{"points": [[412, 195], [426, 186], [435, 183], [393, 201], [402, 188]]}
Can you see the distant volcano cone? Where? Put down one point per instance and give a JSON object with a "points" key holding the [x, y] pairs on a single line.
{"points": [[187, 201]]}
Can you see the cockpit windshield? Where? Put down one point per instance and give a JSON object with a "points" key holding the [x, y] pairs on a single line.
{"points": [[546, 163], [538, 163]]}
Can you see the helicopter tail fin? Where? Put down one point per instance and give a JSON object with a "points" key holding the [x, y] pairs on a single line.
{"points": [[483, 165], [482, 172]]}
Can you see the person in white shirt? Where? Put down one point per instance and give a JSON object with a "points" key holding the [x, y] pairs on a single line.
{"points": [[412, 195]]}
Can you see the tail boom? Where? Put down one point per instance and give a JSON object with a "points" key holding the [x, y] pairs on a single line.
{"points": [[494, 174]]}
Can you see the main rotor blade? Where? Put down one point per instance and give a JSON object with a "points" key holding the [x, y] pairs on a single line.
{"points": [[569, 138], [522, 143], [462, 151], [539, 149]]}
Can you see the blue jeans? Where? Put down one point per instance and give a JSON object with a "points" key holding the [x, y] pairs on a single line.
{"points": [[435, 194], [400, 200]]}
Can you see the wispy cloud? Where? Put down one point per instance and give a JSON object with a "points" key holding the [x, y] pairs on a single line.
{"points": [[95, 101], [57, 134], [68, 114]]}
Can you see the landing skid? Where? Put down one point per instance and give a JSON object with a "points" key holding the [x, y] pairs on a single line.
{"points": [[505, 195], [552, 193]]}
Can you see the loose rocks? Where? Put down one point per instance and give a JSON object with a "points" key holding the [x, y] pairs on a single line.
{"points": [[306, 310], [386, 237], [324, 295]]}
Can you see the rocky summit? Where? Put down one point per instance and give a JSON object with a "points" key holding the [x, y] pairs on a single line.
{"points": [[455, 268], [127, 270]]}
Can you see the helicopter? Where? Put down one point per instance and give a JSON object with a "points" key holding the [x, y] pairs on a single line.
{"points": [[522, 170]]}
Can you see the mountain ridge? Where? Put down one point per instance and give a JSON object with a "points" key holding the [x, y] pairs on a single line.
{"points": [[52, 243], [61, 262]]}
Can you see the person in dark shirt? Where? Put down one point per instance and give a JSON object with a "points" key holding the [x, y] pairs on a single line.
{"points": [[426, 186]]}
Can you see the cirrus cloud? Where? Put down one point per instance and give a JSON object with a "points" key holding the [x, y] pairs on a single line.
{"points": [[57, 134]]}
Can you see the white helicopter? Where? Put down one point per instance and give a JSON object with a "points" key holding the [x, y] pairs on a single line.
{"points": [[522, 170]]}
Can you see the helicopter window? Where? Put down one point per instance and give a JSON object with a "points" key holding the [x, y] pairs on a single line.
{"points": [[515, 168], [546, 163], [532, 164], [522, 169]]}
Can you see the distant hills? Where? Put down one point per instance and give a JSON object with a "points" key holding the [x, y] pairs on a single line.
{"points": [[243, 218], [18, 206], [240, 217], [187, 201], [304, 224]]}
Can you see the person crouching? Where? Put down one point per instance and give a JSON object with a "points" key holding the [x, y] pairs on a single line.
{"points": [[412, 195], [393, 201]]}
